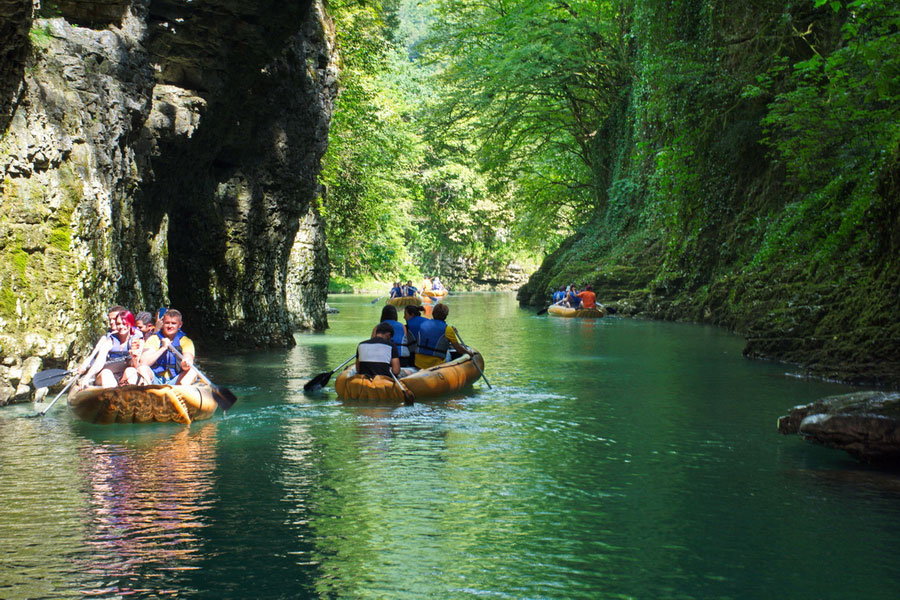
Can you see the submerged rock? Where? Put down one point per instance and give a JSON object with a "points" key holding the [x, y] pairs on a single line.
{"points": [[865, 424]]}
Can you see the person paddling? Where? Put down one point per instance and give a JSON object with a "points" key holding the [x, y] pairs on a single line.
{"points": [[378, 356], [588, 297], [117, 355], [400, 337], [159, 364], [435, 338]]}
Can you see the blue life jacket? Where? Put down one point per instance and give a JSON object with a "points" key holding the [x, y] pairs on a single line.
{"points": [[396, 292], [558, 295], [574, 300], [168, 363], [399, 338], [413, 326], [432, 339], [411, 291]]}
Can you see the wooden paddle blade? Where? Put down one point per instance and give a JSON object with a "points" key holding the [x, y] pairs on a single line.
{"points": [[317, 382], [49, 377], [224, 397]]}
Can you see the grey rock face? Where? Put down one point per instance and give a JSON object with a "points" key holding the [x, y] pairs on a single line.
{"points": [[161, 154]]}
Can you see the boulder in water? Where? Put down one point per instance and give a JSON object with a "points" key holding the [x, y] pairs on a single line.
{"points": [[865, 424]]}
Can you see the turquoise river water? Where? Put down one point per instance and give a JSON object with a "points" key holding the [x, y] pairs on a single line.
{"points": [[613, 458]]}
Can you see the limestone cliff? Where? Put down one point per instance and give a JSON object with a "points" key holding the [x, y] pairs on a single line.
{"points": [[160, 153]]}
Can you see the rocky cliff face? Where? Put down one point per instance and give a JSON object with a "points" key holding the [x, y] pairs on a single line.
{"points": [[160, 153]]}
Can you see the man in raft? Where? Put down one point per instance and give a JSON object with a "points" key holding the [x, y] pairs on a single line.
{"points": [[435, 338], [588, 297], [159, 364], [378, 356]]}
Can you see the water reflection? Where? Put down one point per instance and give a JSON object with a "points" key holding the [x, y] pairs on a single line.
{"points": [[146, 505]]}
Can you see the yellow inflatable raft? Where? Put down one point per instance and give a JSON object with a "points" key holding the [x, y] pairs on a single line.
{"points": [[143, 404], [427, 383], [435, 293], [581, 313], [405, 301]]}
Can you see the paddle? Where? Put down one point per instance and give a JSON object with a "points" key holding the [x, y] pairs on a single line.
{"points": [[61, 392], [319, 381], [490, 387], [376, 299], [408, 396], [543, 310], [54, 376], [222, 395]]}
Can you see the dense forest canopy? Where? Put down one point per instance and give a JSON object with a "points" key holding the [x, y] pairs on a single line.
{"points": [[492, 130]]}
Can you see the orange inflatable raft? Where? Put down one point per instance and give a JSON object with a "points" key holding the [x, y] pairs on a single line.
{"points": [[426, 383], [435, 293], [581, 313], [143, 404]]}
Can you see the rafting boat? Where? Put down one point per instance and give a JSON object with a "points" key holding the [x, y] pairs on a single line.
{"points": [[405, 301], [426, 383], [143, 404], [580, 313], [435, 293]]}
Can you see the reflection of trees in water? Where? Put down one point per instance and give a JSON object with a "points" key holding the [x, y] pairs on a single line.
{"points": [[146, 503]]}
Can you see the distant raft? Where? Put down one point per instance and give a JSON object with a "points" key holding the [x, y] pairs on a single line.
{"points": [[435, 293], [143, 404], [405, 301], [426, 383], [579, 313]]}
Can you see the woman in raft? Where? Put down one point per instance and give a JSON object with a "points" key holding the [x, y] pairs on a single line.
{"points": [[118, 353]]}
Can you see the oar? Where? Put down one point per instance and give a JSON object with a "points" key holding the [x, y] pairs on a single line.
{"points": [[54, 376], [224, 397], [475, 362], [61, 392], [543, 310], [319, 381], [408, 396], [376, 299], [48, 378]]}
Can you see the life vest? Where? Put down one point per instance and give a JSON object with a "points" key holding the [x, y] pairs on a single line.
{"points": [[119, 349], [168, 363], [558, 295], [413, 326], [432, 339], [396, 292], [411, 291], [399, 339], [374, 357]]}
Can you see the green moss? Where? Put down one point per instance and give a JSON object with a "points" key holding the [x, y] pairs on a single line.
{"points": [[60, 238]]}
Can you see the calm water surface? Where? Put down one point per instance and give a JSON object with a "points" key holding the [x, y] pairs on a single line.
{"points": [[614, 458]]}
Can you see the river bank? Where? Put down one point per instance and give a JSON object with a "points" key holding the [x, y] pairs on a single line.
{"points": [[840, 324]]}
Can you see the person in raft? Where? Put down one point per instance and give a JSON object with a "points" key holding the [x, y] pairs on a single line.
{"points": [[559, 295], [436, 285], [145, 323], [435, 338], [159, 364], [588, 297], [400, 337], [396, 291], [572, 299], [117, 357], [378, 356], [409, 289], [414, 320]]}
